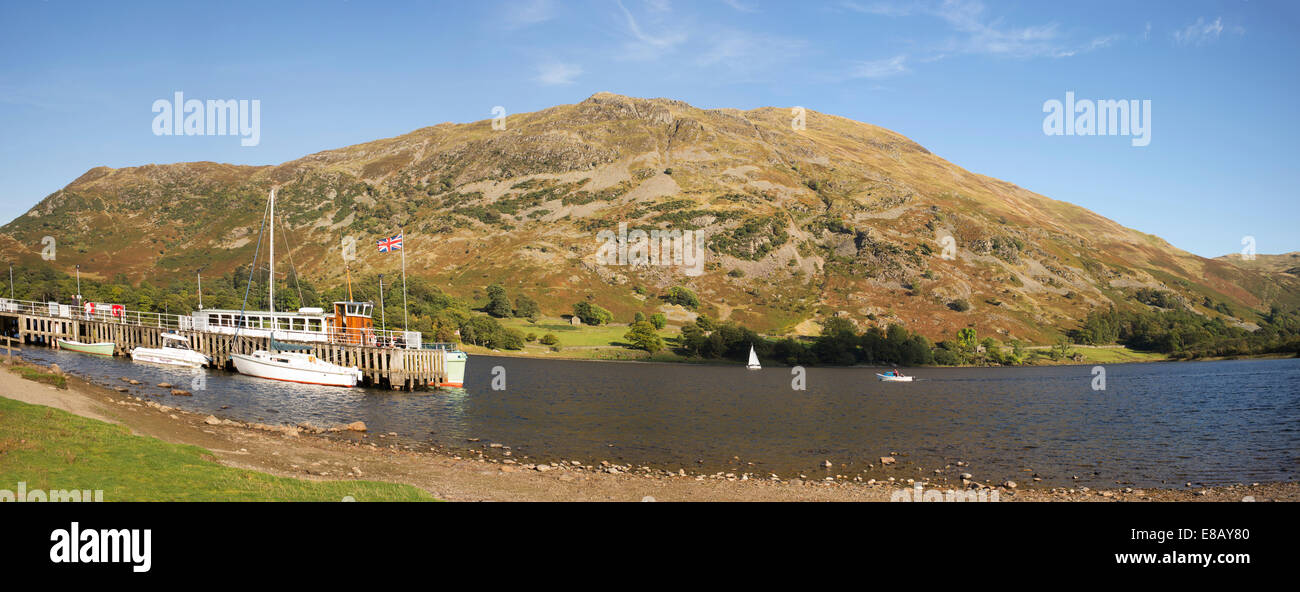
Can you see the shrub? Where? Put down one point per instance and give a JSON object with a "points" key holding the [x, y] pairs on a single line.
{"points": [[498, 305], [682, 296], [591, 314], [658, 320], [642, 336]]}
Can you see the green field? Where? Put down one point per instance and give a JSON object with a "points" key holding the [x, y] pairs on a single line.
{"points": [[583, 342], [1100, 355], [51, 449], [576, 336]]}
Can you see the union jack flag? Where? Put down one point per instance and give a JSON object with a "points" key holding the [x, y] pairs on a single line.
{"points": [[390, 244]]}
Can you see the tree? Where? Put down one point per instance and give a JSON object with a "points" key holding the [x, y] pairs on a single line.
{"points": [[550, 339], [658, 320], [498, 304], [966, 340], [527, 308], [638, 317], [704, 322], [682, 296], [591, 314], [642, 336], [692, 339], [1061, 350]]}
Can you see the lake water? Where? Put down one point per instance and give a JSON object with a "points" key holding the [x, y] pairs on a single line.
{"points": [[1164, 423]]}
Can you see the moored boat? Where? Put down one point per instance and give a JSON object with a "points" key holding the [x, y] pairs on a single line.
{"points": [[298, 367], [175, 351], [104, 348], [454, 362], [292, 363]]}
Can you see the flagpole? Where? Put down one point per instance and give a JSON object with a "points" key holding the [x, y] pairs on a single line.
{"points": [[404, 328], [383, 322]]}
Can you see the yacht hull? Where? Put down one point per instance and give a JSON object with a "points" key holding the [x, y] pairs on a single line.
{"points": [[271, 369], [153, 355]]}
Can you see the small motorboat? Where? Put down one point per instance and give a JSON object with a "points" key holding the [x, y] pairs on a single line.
{"points": [[104, 348], [891, 377], [753, 360], [175, 351]]}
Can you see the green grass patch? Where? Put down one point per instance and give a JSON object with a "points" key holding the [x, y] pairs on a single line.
{"points": [[51, 449], [41, 376], [571, 335]]}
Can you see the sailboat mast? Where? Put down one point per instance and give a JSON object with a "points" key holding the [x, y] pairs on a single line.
{"points": [[271, 277]]}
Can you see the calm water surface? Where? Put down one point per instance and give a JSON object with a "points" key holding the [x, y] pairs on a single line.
{"points": [[1204, 422]]}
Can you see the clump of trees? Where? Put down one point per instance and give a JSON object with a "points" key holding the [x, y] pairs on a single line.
{"points": [[591, 314], [642, 335], [1181, 333], [682, 296]]}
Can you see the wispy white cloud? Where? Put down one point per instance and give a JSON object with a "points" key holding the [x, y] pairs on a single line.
{"points": [[644, 44], [557, 73], [736, 55], [880, 68], [880, 8], [526, 13], [739, 6], [984, 35], [658, 5], [1202, 32], [978, 33]]}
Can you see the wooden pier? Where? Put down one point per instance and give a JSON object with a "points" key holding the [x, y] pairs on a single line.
{"points": [[382, 367]]}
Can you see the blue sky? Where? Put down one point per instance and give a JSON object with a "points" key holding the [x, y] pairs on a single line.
{"points": [[966, 79]]}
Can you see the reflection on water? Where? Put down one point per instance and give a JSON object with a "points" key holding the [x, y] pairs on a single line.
{"points": [[1211, 422]]}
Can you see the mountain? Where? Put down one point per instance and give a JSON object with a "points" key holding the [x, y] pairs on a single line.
{"points": [[1284, 263], [842, 218]]}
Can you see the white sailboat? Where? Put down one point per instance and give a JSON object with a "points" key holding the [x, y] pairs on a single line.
{"points": [[296, 367], [753, 360], [291, 366], [175, 351]]}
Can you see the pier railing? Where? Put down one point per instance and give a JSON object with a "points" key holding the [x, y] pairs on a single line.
{"points": [[252, 324]]}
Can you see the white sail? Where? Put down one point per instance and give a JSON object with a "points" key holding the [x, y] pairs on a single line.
{"points": [[753, 359]]}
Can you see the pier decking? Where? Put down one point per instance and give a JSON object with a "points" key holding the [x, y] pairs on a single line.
{"points": [[45, 323]]}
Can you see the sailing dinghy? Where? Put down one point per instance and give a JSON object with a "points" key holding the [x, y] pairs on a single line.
{"points": [[753, 360]]}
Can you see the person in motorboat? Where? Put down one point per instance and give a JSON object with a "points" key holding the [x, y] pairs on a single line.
{"points": [[897, 373]]}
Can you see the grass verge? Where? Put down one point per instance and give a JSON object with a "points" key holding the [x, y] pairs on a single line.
{"points": [[38, 375], [50, 449]]}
